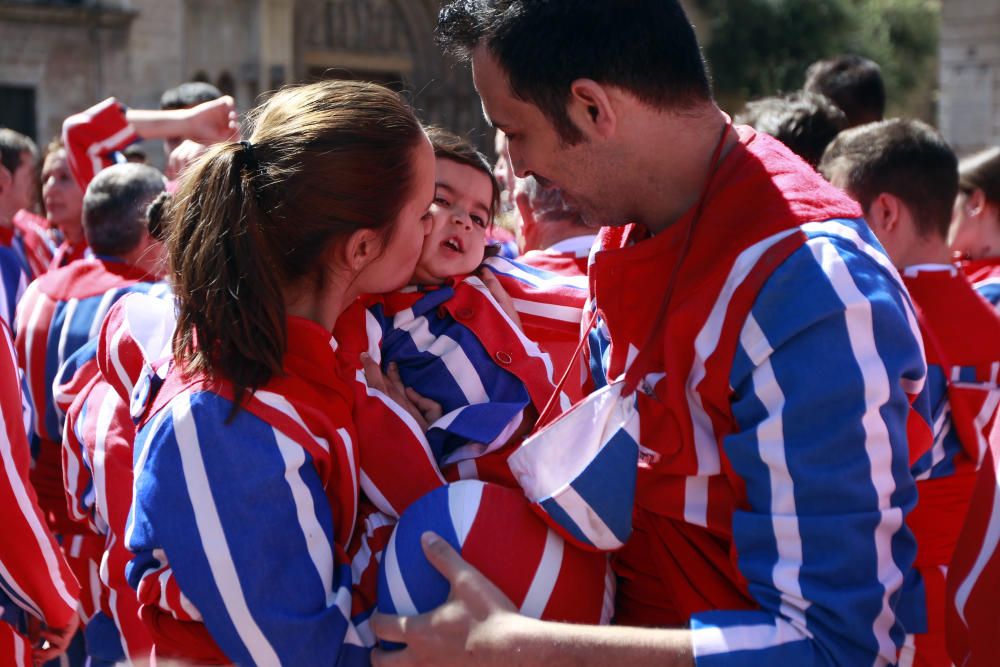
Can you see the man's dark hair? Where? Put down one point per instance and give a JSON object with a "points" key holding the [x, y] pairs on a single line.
{"points": [[646, 47], [905, 158], [853, 83], [188, 95], [12, 146], [805, 122], [114, 207]]}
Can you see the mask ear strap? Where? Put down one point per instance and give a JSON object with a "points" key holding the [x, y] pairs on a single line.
{"points": [[641, 362], [635, 370], [549, 409]]}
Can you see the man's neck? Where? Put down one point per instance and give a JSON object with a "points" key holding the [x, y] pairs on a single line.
{"points": [[678, 154], [926, 252]]}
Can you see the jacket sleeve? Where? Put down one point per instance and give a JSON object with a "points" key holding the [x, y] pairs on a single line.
{"points": [[827, 366], [240, 512], [34, 573], [94, 139]]}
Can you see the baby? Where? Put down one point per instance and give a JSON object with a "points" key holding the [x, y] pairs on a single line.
{"points": [[455, 376], [452, 382]]}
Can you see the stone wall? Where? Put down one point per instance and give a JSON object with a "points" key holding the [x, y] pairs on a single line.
{"points": [[970, 73]]}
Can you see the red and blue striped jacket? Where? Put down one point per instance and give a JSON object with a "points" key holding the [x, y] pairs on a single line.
{"points": [[95, 138], [25, 253], [97, 458], [34, 575], [567, 258], [972, 605], [32, 242], [455, 345], [961, 334], [773, 469], [985, 277], [59, 313], [240, 522]]}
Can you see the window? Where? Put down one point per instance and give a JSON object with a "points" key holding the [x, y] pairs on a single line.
{"points": [[17, 109]]}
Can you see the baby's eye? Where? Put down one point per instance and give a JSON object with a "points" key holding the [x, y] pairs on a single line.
{"points": [[479, 221], [441, 201]]}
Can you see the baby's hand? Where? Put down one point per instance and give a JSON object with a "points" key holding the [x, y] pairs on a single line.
{"points": [[499, 295], [423, 410]]}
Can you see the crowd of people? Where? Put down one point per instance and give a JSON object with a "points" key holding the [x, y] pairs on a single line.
{"points": [[656, 387]]}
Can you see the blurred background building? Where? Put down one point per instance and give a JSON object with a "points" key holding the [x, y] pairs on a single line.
{"points": [[58, 57], [941, 59], [970, 73]]}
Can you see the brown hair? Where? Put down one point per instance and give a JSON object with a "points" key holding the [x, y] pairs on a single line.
{"points": [[449, 146], [981, 171], [905, 158], [323, 161]]}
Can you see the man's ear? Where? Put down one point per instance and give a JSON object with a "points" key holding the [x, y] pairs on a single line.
{"points": [[527, 216], [6, 179], [885, 213], [361, 248], [591, 108]]}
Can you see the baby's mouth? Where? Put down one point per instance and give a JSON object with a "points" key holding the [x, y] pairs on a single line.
{"points": [[452, 244]]}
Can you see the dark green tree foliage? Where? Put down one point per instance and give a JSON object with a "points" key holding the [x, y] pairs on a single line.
{"points": [[763, 47]]}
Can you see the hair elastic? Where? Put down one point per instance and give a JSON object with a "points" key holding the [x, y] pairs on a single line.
{"points": [[249, 158]]}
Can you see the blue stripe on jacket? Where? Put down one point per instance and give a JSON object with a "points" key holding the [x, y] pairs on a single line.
{"points": [[822, 450], [236, 507]]}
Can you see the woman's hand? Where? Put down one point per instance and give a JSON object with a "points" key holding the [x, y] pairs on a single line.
{"points": [[423, 410], [467, 629], [499, 295]]}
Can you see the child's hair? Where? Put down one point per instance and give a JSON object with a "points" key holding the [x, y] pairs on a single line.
{"points": [[450, 146], [323, 161]]}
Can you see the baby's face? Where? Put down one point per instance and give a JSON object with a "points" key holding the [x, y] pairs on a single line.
{"points": [[460, 217]]}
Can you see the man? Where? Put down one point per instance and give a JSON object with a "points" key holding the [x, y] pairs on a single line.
{"points": [[905, 176], [555, 236], [853, 83], [63, 310], [805, 122], [773, 478], [23, 246]]}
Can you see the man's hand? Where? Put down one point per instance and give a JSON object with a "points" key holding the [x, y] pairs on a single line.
{"points": [[467, 629], [212, 121], [207, 123], [57, 640], [423, 410]]}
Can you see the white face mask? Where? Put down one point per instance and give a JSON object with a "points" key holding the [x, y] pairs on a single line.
{"points": [[580, 470]]}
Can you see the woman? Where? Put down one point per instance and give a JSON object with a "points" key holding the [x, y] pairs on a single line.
{"points": [[63, 200], [246, 477], [975, 222]]}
